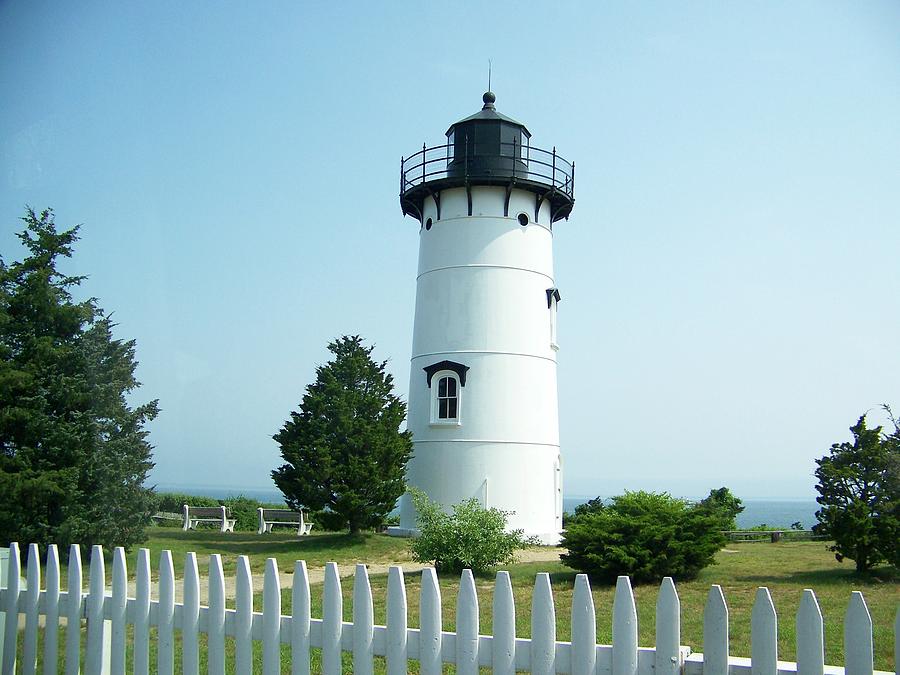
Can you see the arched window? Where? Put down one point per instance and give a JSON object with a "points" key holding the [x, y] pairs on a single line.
{"points": [[447, 399], [446, 380]]}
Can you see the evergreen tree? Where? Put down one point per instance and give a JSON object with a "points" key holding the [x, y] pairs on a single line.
{"points": [[343, 449], [859, 490], [73, 453]]}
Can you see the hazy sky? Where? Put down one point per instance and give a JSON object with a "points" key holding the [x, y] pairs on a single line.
{"points": [[730, 274]]}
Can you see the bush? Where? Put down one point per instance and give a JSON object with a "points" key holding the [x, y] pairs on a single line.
{"points": [[472, 537], [173, 502], [645, 535]]}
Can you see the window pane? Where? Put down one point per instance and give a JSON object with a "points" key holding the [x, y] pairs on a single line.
{"points": [[442, 387], [452, 402], [451, 386], [442, 408]]}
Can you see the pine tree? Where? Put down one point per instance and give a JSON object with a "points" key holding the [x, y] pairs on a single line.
{"points": [[343, 449], [859, 490], [73, 454]]}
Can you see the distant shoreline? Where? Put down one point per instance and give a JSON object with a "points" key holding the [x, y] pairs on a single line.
{"points": [[772, 512]]}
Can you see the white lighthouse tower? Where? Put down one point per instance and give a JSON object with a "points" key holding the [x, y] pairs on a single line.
{"points": [[482, 396]]}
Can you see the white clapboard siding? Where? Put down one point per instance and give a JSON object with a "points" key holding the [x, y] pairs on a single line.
{"points": [[111, 612]]}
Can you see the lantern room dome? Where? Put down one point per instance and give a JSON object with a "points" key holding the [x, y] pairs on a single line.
{"points": [[487, 148]]}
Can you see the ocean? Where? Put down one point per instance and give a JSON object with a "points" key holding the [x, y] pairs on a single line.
{"points": [[772, 512]]}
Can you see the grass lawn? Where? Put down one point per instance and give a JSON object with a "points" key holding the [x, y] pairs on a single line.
{"points": [[786, 568]]}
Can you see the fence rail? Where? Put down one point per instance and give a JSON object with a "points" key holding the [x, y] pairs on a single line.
{"points": [[109, 612]]}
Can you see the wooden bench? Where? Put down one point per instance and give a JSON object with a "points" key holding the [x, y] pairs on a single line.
{"points": [[194, 515], [270, 517], [161, 516]]}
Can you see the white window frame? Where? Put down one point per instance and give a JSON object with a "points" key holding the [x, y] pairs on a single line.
{"points": [[435, 399]]}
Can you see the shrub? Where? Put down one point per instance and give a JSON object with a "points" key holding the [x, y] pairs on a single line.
{"points": [[645, 535], [472, 537], [173, 502]]}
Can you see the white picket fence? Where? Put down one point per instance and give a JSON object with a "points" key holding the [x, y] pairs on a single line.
{"points": [[108, 613]]}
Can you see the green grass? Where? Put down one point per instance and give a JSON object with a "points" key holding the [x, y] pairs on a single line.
{"points": [[283, 545], [786, 568]]}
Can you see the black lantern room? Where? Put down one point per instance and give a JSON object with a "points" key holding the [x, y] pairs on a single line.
{"points": [[487, 148]]}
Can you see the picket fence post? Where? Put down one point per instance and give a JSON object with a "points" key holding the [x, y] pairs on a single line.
{"points": [[764, 634], [396, 647], [11, 607], [300, 620], [504, 620]]}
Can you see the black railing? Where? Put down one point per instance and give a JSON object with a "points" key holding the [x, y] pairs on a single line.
{"points": [[513, 161]]}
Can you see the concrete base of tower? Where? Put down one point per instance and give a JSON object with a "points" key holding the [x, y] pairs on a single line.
{"points": [[395, 531]]}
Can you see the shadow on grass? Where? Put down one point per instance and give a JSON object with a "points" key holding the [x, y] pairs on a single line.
{"points": [[876, 577], [250, 543]]}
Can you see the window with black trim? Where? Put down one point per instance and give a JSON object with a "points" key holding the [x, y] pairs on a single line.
{"points": [[446, 379], [447, 398]]}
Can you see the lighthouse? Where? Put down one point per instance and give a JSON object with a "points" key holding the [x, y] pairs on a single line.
{"points": [[483, 407]]}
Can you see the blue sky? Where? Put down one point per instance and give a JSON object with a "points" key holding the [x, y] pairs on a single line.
{"points": [[729, 274]]}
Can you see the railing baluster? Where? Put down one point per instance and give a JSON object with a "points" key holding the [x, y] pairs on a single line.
{"points": [[363, 622], [332, 616], [584, 628], [271, 619], [396, 648], [504, 642], [764, 634], [430, 624], [543, 627], [300, 621], [668, 629], [51, 625], [32, 595]]}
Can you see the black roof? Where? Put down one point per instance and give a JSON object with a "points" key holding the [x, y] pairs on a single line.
{"points": [[488, 112]]}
